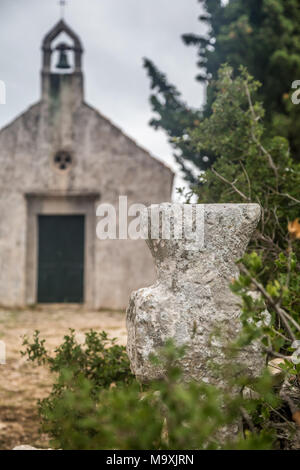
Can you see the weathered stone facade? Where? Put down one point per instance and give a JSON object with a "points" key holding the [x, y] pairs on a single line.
{"points": [[104, 165], [191, 303]]}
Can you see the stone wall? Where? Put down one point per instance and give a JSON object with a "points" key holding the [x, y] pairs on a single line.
{"points": [[105, 161]]}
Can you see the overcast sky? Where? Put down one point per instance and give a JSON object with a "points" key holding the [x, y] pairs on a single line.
{"points": [[116, 35]]}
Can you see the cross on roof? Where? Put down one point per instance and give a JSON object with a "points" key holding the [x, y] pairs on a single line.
{"points": [[62, 4]]}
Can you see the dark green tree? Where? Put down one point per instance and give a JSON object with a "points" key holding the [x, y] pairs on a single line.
{"points": [[176, 118], [251, 165], [262, 35]]}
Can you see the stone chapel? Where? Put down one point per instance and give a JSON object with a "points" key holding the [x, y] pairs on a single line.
{"points": [[59, 161]]}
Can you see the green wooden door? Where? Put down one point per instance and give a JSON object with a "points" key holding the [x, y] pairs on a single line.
{"points": [[61, 259]]}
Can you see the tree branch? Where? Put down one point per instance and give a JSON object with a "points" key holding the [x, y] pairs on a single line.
{"points": [[280, 312], [255, 139], [230, 184]]}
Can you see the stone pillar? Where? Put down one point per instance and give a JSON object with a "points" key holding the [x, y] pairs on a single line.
{"points": [[191, 299]]}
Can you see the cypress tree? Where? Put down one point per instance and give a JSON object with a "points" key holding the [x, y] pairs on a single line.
{"points": [[263, 36]]}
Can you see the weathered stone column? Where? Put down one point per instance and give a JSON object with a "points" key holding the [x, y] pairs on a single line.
{"points": [[191, 299]]}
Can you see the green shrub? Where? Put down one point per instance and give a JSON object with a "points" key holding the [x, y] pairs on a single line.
{"points": [[84, 411], [99, 359]]}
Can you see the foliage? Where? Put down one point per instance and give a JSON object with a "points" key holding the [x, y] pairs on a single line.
{"points": [[98, 359], [261, 35], [264, 37], [166, 414], [251, 166], [277, 328], [280, 296]]}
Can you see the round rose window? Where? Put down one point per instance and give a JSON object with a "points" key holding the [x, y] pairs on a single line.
{"points": [[62, 160]]}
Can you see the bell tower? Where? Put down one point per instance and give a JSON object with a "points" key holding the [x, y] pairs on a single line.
{"points": [[66, 72]]}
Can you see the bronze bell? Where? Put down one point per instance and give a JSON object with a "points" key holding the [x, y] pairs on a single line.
{"points": [[63, 57]]}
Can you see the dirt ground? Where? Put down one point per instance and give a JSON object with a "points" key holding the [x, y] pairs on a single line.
{"points": [[23, 383]]}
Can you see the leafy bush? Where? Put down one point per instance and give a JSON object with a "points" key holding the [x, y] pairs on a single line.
{"points": [[280, 296], [168, 414], [81, 371], [252, 166], [99, 359]]}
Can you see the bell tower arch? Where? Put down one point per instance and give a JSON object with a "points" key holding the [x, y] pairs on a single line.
{"points": [[63, 73], [61, 27]]}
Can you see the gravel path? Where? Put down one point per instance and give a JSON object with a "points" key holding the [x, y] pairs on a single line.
{"points": [[22, 383]]}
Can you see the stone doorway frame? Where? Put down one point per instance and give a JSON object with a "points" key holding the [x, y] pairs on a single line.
{"points": [[60, 204]]}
